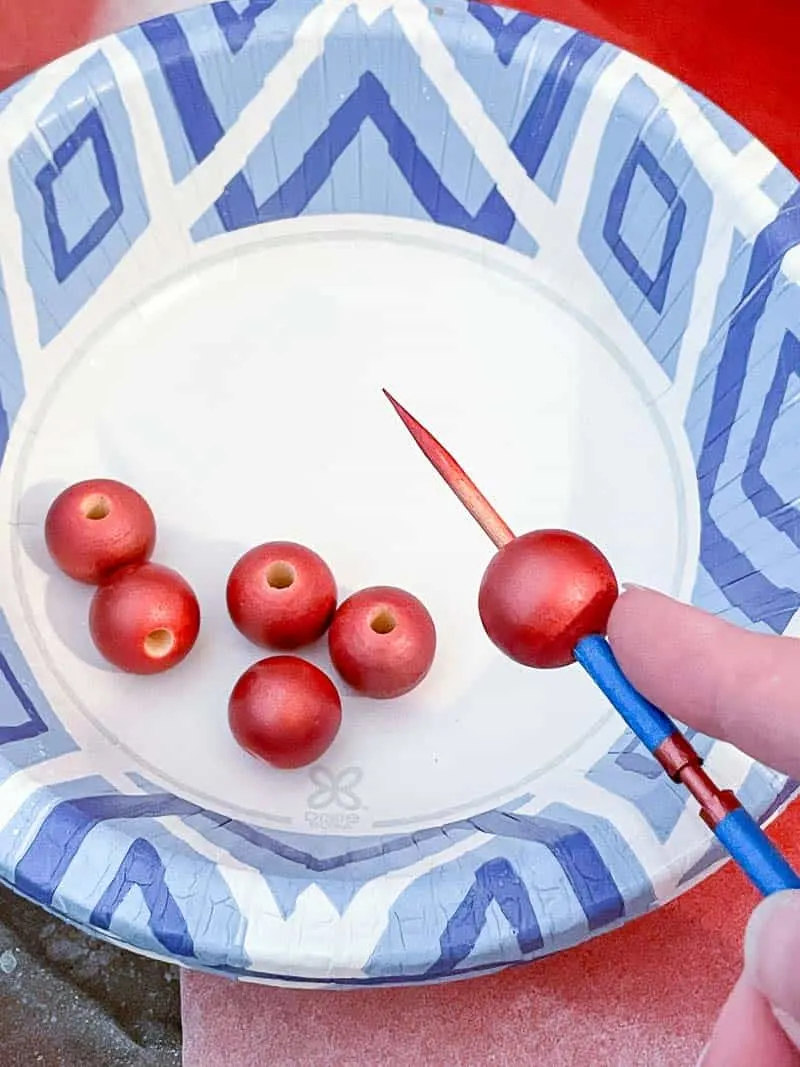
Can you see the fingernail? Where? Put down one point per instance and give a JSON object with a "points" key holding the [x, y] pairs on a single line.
{"points": [[766, 920], [628, 586], [790, 1026], [771, 950]]}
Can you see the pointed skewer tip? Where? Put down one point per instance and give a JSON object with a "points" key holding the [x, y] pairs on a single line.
{"points": [[455, 477]]}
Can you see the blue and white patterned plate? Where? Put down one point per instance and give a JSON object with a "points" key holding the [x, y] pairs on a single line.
{"points": [[221, 232]]}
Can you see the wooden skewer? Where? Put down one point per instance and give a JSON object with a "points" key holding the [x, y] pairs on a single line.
{"points": [[719, 808], [454, 475]]}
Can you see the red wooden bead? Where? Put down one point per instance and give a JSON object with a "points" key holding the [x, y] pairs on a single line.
{"points": [[144, 619], [542, 593], [285, 711], [281, 595], [382, 642], [96, 526]]}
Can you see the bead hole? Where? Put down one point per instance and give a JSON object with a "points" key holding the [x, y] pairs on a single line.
{"points": [[280, 575], [384, 622], [159, 643], [96, 507]]}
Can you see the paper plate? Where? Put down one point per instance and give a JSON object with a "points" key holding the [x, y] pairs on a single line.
{"points": [[221, 233]]}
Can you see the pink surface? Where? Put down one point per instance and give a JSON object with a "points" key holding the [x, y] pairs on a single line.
{"points": [[643, 996]]}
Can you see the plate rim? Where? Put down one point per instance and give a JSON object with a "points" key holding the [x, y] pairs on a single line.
{"points": [[51, 77]]}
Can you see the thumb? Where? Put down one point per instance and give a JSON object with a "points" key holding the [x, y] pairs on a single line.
{"points": [[772, 957]]}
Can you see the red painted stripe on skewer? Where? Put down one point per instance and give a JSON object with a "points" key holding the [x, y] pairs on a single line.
{"points": [[683, 763]]}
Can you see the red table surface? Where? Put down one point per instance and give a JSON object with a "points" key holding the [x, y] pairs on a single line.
{"points": [[742, 55], [646, 995]]}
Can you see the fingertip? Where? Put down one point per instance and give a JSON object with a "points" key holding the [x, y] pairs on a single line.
{"points": [[633, 605], [639, 609], [623, 623], [762, 923], [657, 641], [747, 1033], [724, 680], [771, 950]]}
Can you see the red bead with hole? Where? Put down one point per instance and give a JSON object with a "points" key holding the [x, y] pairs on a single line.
{"points": [[382, 642], [281, 595], [285, 711], [144, 619], [542, 593], [96, 526]]}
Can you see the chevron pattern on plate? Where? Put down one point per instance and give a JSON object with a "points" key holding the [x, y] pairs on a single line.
{"points": [[150, 146]]}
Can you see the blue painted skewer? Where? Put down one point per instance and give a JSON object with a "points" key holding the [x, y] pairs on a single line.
{"points": [[738, 832]]}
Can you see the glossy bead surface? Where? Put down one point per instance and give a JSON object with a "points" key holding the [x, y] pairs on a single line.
{"points": [[281, 595], [382, 642], [144, 619], [96, 526], [542, 593], [285, 711]]}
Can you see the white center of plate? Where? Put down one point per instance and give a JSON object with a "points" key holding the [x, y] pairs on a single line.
{"points": [[243, 400]]}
